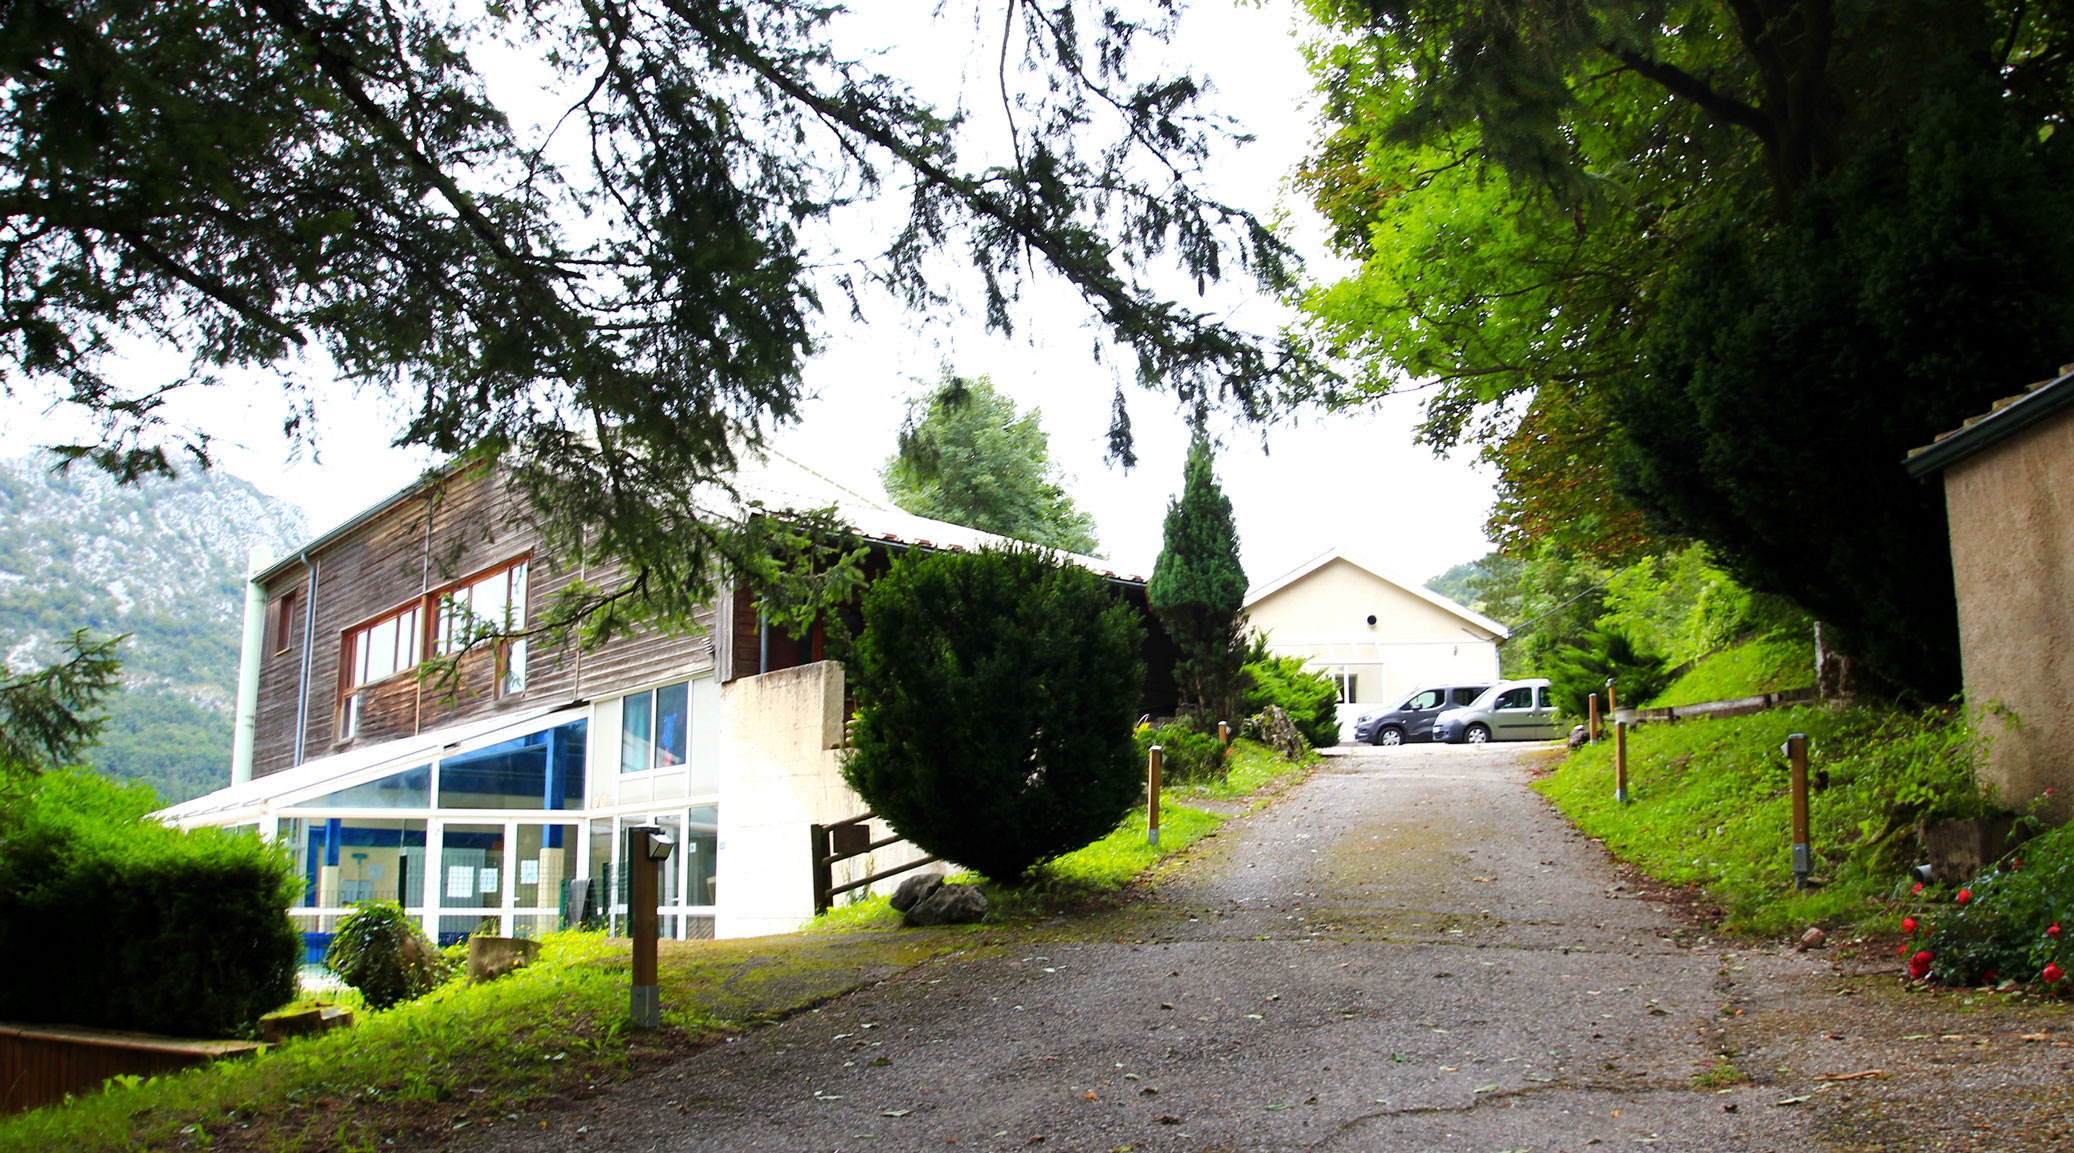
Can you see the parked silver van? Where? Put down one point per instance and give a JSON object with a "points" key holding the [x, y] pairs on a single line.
{"points": [[1412, 720], [1507, 711]]}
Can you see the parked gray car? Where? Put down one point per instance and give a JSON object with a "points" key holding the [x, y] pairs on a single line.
{"points": [[1507, 711], [1413, 719]]}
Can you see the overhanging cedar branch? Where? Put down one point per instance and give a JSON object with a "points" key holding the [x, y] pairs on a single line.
{"points": [[1680, 83]]}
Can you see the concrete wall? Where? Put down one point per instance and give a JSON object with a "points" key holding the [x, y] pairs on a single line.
{"points": [[781, 739], [2011, 510]]}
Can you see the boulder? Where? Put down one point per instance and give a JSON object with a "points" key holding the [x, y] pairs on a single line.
{"points": [[491, 957], [915, 890], [949, 905]]}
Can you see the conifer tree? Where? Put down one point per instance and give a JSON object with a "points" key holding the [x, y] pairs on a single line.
{"points": [[1198, 587]]}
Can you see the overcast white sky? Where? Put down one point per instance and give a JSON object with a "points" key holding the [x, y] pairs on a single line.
{"points": [[1353, 480]]}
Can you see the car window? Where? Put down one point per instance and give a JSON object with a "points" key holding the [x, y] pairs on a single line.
{"points": [[1546, 700], [1519, 698], [1430, 699], [1468, 696]]}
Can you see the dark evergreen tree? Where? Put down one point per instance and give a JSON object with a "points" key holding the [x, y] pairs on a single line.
{"points": [[1198, 588], [996, 692]]}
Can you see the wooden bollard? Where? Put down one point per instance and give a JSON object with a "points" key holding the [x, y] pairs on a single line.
{"points": [[1224, 731], [1152, 772], [1591, 724], [1803, 846], [1620, 762]]}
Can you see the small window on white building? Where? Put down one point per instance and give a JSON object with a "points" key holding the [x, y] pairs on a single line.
{"points": [[655, 729]]}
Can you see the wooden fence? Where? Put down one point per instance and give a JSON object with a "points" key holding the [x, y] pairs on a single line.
{"points": [[40, 1064]]}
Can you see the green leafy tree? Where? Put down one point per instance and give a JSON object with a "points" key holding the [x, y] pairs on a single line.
{"points": [[50, 715], [996, 692], [1198, 588], [966, 456], [1708, 271], [268, 184]]}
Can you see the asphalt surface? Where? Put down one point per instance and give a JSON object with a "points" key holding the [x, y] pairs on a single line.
{"points": [[1409, 951]]}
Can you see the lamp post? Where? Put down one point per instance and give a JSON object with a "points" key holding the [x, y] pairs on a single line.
{"points": [[647, 848]]}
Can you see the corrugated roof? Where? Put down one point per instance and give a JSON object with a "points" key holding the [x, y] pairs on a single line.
{"points": [[2009, 416]]}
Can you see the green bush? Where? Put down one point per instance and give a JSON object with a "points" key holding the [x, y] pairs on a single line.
{"points": [[380, 951], [1187, 757], [1580, 669], [1310, 699], [109, 919], [996, 692], [2003, 931]]}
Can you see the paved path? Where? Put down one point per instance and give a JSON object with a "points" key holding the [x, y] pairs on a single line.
{"points": [[1408, 952]]}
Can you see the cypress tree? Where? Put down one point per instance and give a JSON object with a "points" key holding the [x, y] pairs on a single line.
{"points": [[1198, 587]]}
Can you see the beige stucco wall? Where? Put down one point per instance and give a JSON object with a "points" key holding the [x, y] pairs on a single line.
{"points": [[1412, 643], [2011, 510], [780, 748]]}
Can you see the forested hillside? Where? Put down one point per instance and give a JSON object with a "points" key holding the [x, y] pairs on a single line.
{"points": [[164, 561]]}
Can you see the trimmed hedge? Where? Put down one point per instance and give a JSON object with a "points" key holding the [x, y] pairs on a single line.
{"points": [[996, 691], [1187, 757], [112, 920], [1310, 699]]}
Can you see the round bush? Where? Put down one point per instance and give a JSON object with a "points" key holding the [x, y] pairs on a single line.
{"points": [[996, 692], [380, 951], [2017, 919]]}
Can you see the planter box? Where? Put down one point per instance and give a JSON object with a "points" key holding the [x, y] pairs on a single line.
{"points": [[1959, 849], [40, 1064]]}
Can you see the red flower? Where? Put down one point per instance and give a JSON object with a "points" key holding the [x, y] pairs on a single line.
{"points": [[2054, 931], [1918, 889], [1919, 965], [1901, 950], [1965, 895], [1909, 926], [2052, 973]]}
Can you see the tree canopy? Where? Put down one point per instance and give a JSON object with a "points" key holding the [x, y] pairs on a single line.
{"points": [[51, 714], [613, 305], [1707, 270], [1198, 586], [966, 456]]}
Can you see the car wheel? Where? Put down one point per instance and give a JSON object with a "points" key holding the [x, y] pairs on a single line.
{"points": [[1390, 735], [1477, 734]]}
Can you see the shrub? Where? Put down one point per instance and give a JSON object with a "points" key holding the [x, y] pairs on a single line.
{"points": [[381, 952], [1310, 699], [1580, 669], [1186, 756], [109, 919], [996, 692], [2004, 929]]}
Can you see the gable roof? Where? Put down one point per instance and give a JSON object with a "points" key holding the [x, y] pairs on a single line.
{"points": [[2011, 415], [1261, 592]]}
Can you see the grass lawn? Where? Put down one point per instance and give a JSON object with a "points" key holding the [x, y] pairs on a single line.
{"points": [[1764, 664], [1709, 808]]}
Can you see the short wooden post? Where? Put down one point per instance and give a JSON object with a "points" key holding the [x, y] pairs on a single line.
{"points": [[1620, 762], [1612, 698], [1591, 724], [1224, 731], [645, 1006], [1803, 848], [1152, 773]]}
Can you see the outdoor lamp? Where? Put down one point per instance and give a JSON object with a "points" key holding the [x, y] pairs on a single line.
{"points": [[660, 845]]}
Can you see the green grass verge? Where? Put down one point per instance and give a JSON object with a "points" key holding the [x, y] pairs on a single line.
{"points": [[1765, 664], [1251, 767], [470, 1055], [1709, 808]]}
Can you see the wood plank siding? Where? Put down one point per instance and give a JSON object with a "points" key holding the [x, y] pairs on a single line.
{"points": [[410, 550]]}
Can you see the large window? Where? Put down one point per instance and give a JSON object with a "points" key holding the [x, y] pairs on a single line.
{"points": [[541, 770], [376, 652], [492, 603], [655, 729]]}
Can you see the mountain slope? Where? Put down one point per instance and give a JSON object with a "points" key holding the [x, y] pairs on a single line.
{"points": [[164, 561]]}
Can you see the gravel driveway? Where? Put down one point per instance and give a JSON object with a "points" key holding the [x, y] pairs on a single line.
{"points": [[1410, 951]]}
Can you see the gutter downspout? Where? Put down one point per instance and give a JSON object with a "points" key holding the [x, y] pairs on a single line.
{"points": [[246, 729], [309, 621]]}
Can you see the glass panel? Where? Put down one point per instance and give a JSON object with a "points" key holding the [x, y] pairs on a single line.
{"points": [[669, 888], [1520, 698], [515, 666], [518, 594], [542, 770], [672, 724], [1543, 701], [546, 858], [701, 842], [409, 789], [471, 876], [1430, 699], [634, 748], [349, 860], [488, 599], [454, 930]]}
